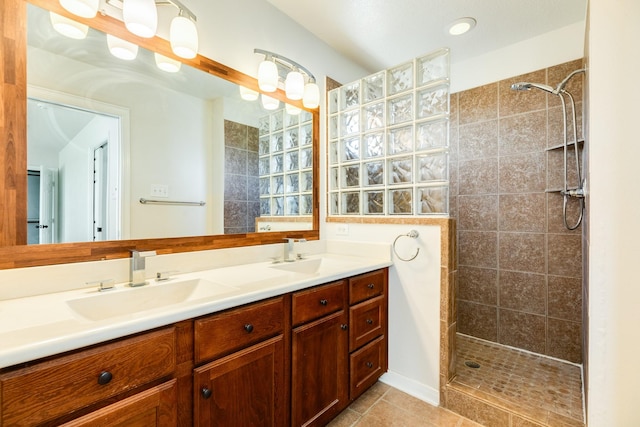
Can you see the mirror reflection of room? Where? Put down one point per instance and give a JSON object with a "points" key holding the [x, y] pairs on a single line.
{"points": [[135, 149]]}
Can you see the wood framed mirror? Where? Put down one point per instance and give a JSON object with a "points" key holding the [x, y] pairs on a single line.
{"points": [[14, 252]]}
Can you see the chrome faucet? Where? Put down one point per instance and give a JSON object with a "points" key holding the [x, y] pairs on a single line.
{"points": [[137, 272], [288, 248]]}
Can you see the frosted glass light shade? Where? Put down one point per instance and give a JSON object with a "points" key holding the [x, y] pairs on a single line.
{"points": [[268, 76], [248, 94], [294, 85], [311, 98], [121, 48], [292, 110], [83, 8], [183, 35], [140, 17], [269, 103], [68, 27], [167, 64]]}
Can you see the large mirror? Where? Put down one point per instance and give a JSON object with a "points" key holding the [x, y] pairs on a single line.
{"points": [[123, 151]]}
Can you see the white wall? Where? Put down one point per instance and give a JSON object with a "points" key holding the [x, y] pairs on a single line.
{"points": [[614, 210]]}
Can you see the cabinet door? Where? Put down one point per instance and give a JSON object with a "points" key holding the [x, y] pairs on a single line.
{"points": [[246, 388], [319, 370], [153, 407]]}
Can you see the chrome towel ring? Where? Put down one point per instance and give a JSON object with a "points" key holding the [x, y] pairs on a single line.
{"points": [[412, 234]]}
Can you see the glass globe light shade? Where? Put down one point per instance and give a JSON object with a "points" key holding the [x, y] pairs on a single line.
{"points": [[248, 94], [311, 98], [294, 85], [268, 76], [269, 103], [82, 8], [140, 17], [292, 110], [121, 48], [167, 64], [68, 27], [183, 36]]}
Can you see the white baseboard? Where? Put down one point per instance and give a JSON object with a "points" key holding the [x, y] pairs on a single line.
{"points": [[412, 387]]}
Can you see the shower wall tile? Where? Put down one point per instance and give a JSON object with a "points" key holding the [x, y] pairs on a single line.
{"points": [[565, 255], [523, 173], [454, 150], [478, 320], [478, 104], [235, 161], [522, 252], [253, 138], [517, 102], [235, 214], [522, 330], [564, 340], [555, 223], [454, 109], [478, 249], [558, 73], [478, 176], [555, 174], [479, 140], [565, 298], [522, 212], [235, 188], [235, 135], [478, 285], [478, 213], [523, 291], [525, 133], [556, 135]]}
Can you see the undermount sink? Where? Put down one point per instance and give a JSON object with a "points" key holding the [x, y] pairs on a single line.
{"points": [[127, 301]]}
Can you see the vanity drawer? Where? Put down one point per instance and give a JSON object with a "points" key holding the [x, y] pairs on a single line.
{"points": [[316, 302], [366, 366], [366, 322], [50, 389], [366, 286], [232, 330]]}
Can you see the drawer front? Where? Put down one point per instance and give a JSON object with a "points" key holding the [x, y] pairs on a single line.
{"points": [[232, 330], [50, 389], [316, 302], [366, 366], [367, 286], [366, 321]]}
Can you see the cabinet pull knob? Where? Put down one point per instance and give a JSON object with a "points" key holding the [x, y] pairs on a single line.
{"points": [[371, 286], [206, 392], [344, 327], [369, 321], [248, 327], [323, 302], [104, 377], [369, 365]]}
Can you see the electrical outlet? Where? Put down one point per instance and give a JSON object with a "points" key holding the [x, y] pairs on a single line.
{"points": [[159, 190], [342, 229]]}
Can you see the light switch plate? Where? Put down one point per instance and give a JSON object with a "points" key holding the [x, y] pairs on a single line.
{"points": [[342, 229], [158, 190]]}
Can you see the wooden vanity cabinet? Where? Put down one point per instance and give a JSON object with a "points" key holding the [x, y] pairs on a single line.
{"points": [[245, 383]]}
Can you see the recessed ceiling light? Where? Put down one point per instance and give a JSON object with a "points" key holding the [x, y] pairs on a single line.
{"points": [[461, 26]]}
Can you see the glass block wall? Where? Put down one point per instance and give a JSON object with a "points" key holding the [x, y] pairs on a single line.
{"points": [[285, 162], [389, 141]]}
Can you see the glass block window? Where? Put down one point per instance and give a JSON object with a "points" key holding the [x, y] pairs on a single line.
{"points": [[285, 163], [389, 141]]}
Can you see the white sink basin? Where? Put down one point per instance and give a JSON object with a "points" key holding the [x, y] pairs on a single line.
{"points": [[127, 301], [315, 265]]}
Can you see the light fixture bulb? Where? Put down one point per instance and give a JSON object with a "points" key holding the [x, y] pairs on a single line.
{"points": [[311, 98], [269, 103], [461, 26], [292, 110], [294, 85], [140, 17], [268, 76], [248, 94], [167, 64], [183, 35], [121, 48], [68, 27], [82, 8]]}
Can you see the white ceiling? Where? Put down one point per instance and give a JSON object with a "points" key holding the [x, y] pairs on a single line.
{"points": [[379, 34]]}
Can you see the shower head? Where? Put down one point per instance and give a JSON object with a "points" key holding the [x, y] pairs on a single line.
{"points": [[527, 86]]}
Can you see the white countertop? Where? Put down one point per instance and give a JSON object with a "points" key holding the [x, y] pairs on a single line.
{"points": [[44, 325]]}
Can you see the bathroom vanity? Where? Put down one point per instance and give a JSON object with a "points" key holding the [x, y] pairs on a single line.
{"points": [[292, 358]]}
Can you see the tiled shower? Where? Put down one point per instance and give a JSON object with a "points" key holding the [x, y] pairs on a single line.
{"points": [[519, 268]]}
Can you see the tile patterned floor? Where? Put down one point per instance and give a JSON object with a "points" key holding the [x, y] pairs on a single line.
{"points": [[385, 406], [527, 380]]}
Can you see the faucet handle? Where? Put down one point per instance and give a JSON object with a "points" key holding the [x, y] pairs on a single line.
{"points": [[103, 285], [164, 275]]}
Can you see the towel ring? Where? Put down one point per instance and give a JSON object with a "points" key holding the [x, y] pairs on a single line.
{"points": [[412, 234]]}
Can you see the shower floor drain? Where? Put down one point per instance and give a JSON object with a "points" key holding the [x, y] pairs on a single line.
{"points": [[471, 364]]}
